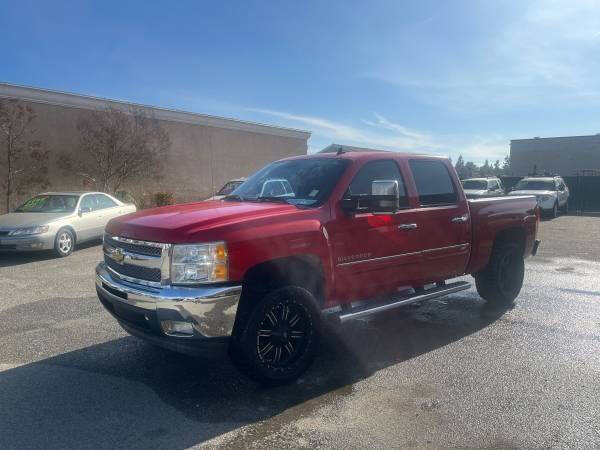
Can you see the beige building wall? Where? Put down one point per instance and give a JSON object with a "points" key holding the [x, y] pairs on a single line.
{"points": [[205, 151], [565, 156]]}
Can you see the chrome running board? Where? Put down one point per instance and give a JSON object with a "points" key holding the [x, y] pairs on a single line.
{"points": [[367, 310]]}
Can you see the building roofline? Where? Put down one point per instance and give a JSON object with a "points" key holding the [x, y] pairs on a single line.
{"points": [[597, 136], [59, 98]]}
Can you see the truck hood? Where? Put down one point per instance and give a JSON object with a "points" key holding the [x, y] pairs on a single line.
{"points": [[19, 220], [181, 223], [532, 193]]}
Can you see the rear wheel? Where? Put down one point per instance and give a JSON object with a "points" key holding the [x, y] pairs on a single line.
{"points": [[278, 340], [64, 242], [501, 281]]}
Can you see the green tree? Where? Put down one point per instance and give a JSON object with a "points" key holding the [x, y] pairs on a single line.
{"points": [[497, 168], [460, 168], [471, 169], [506, 167]]}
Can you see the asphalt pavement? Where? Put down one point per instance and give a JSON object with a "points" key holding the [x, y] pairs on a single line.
{"points": [[447, 373]]}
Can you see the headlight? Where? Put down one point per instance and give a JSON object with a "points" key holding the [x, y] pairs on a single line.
{"points": [[201, 263], [544, 198], [29, 231]]}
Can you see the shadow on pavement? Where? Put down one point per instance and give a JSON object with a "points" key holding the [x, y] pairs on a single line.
{"points": [[125, 393], [8, 259]]}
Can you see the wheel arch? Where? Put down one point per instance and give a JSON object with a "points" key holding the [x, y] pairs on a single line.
{"points": [[305, 271], [71, 229], [511, 235]]}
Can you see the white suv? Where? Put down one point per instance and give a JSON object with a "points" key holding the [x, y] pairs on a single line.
{"points": [[551, 192]]}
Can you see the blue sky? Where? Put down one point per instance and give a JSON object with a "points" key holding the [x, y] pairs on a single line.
{"points": [[441, 77]]}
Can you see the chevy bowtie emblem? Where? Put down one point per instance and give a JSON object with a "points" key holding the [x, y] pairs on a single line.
{"points": [[118, 255]]}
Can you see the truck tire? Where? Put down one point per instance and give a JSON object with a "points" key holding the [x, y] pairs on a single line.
{"points": [[64, 242], [501, 281], [277, 341]]}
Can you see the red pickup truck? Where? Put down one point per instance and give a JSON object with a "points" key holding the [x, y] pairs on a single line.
{"points": [[351, 234]]}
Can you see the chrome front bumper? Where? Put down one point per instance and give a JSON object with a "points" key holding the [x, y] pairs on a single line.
{"points": [[211, 311]]}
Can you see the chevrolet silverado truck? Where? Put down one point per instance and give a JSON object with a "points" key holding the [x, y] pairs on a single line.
{"points": [[361, 234]]}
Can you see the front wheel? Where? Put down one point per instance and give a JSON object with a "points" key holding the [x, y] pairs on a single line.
{"points": [[64, 243], [278, 340], [555, 211], [501, 281]]}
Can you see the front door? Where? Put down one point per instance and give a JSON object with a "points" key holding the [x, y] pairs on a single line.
{"points": [[374, 253], [443, 218], [89, 218]]}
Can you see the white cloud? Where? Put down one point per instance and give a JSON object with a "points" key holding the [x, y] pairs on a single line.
{"points": [[382, 133], [545, 55]]}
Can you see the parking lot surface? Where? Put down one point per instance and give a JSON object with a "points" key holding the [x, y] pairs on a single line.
{"points": [[447, 373]]}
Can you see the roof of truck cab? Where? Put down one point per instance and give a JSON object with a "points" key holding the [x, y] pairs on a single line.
{"points": [[366, 156]]}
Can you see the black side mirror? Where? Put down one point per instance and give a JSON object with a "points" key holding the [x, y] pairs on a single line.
{"points": [[84, 210]]}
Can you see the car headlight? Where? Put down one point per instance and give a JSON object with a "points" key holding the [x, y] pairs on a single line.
{"points": [[29, 231], [199, 263], [544, 198]]}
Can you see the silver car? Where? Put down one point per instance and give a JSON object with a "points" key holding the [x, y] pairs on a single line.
{"points": [[483, 187], [552, 193], [58, 220]]}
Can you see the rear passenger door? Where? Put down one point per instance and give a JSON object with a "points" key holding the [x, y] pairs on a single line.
{"points": [[443, 220]]}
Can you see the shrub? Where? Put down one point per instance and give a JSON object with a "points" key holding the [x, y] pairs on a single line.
{"points": [[164, 199]]}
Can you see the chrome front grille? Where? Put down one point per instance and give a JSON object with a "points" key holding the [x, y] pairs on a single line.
{"points": [[142, 262]]}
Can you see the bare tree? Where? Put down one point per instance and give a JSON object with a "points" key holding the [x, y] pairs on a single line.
{"points": [[117, 146], [25, 164]]}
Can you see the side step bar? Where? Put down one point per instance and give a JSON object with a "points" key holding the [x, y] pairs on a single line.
{"points": [[367, 310]]}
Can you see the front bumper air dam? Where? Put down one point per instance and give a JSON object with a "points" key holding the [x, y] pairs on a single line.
{"points": [[27, 243], [142, 311]]}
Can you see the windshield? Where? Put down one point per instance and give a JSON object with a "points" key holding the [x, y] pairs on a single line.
{"points": [[305, 182], [535, 185], [49, 204], [229, 187], [474, 184]]}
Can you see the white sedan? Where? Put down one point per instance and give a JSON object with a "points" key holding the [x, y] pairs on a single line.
{"points": [[59, 220]]}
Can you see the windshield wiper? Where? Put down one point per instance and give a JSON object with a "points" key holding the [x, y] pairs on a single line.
{"points": [[271, 198], [235, 197]]}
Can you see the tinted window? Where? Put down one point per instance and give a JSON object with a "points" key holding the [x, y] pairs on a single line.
{"points": [[89, 202], [433, 182], [104, 202], [535, 185], [474, 184], [494, 185], [377, 170]]}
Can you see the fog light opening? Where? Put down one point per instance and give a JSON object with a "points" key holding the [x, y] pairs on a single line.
{"points": [[176, 328]]}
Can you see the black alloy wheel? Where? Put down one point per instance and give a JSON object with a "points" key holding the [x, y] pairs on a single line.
{"points": [[277, 340], [282, 335]]}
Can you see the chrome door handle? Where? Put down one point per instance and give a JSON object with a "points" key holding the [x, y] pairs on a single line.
{"points": [[461, 219], [408, 226]]}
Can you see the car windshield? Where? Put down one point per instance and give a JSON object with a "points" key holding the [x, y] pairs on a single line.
{"points": [[302, 182], [229, 187], [535, 185], [49, 204], [474, 184]]}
